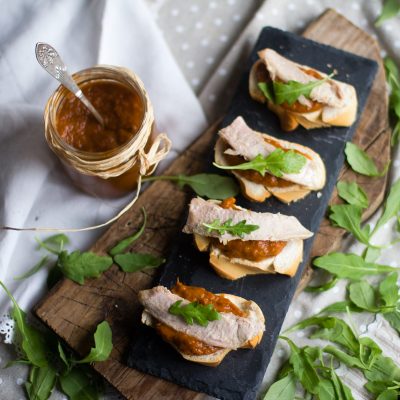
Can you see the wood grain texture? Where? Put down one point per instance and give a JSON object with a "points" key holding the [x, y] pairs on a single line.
{"points": [[73, 311]]}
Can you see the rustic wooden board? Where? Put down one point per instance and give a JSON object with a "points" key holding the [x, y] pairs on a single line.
{"points": [[73, 311]]}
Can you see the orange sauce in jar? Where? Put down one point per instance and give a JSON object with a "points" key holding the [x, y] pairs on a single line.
{"points": [[121, 109]]}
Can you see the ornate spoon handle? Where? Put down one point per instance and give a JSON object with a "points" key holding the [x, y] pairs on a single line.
{"points": [[49, 59]]}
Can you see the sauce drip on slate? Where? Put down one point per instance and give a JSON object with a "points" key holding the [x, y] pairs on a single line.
{"points": [[120, 107]]}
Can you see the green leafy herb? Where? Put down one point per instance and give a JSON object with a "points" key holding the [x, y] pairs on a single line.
{"points": [[63, 356], [284, 389], [389, 291], [132, 262], [348, 217], [390, 9], [277, 163], [240, 229], [195, 312], [102, 344], [340, 307], [392, 206], [371, 254], [303, 367], [392, 77], [323, 288], [289, 92], [38, 266], [77, 266], [394, 319], [33, 344], [362, 294], [121, 246], [53, 244], [350, 266], [267, 90], [78, 385], [213, 186], [360, 161], [353, 194], [388, 395], [41, 383]]}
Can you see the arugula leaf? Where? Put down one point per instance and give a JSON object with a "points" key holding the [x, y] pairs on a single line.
{"points": [[362, 294], [360, 162], [39, 265], [371, 254], [392, 73], [342, 391], [388, 395], [284, 389], [353, 194], [42, 381], [195, 312], [121, 246], [323, 288], [277, 163], [102, 344], [393, 318], [213, 186], [350, 266], [392, 77], [58, 241], [303, 367], [77, 385], [340, 307], [289, 92], [267, 90], [392, 206], [132, 262], [383, 370], [350, 361], [239, 229], [375, 387], [33, 343], [389, 291], [348, 217], [77, 266], [390, 9], [63, 356]]}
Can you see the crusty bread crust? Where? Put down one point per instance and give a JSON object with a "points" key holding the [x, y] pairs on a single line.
{"points": [[258, 192], [291, 120], [214, 359]]}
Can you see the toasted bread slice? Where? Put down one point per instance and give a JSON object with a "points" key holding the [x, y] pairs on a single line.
{"points": [[214, 359]]}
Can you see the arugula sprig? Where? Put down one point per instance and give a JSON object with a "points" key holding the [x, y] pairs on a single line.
{"points": [[213, 186], [289, 92], [49, 364], [392, 77], [240, 229], [195, 312], [277, 163]]}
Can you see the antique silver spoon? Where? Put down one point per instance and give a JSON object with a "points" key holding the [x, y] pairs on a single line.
{"points": [[49, 59]]}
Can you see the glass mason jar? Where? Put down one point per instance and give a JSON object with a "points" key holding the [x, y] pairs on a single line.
{"points": [[112, 172]]}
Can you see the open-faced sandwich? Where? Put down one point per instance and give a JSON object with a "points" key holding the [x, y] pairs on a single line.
{"points": [[243, 242], [265, 165], [301, 95], [203, 327]]}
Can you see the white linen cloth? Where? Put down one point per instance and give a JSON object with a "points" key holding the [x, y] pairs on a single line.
{"points": [[34, 190]]}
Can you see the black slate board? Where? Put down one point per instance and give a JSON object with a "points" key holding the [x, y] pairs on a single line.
{"points": [[240, 374]]}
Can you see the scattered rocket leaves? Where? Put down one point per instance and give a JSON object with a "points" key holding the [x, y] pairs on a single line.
{"points": [[391, 207], [121, 246], [350, 266], [392, 77], [389, 10], [195, 312], [353, 194], [132, 262], [289, 92], [213, 186], [41, 382], [322, 288], [348, 216], [283, 389], [360, 161], [102, 344], [277, 163], [240, 229], [77, 266]]}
